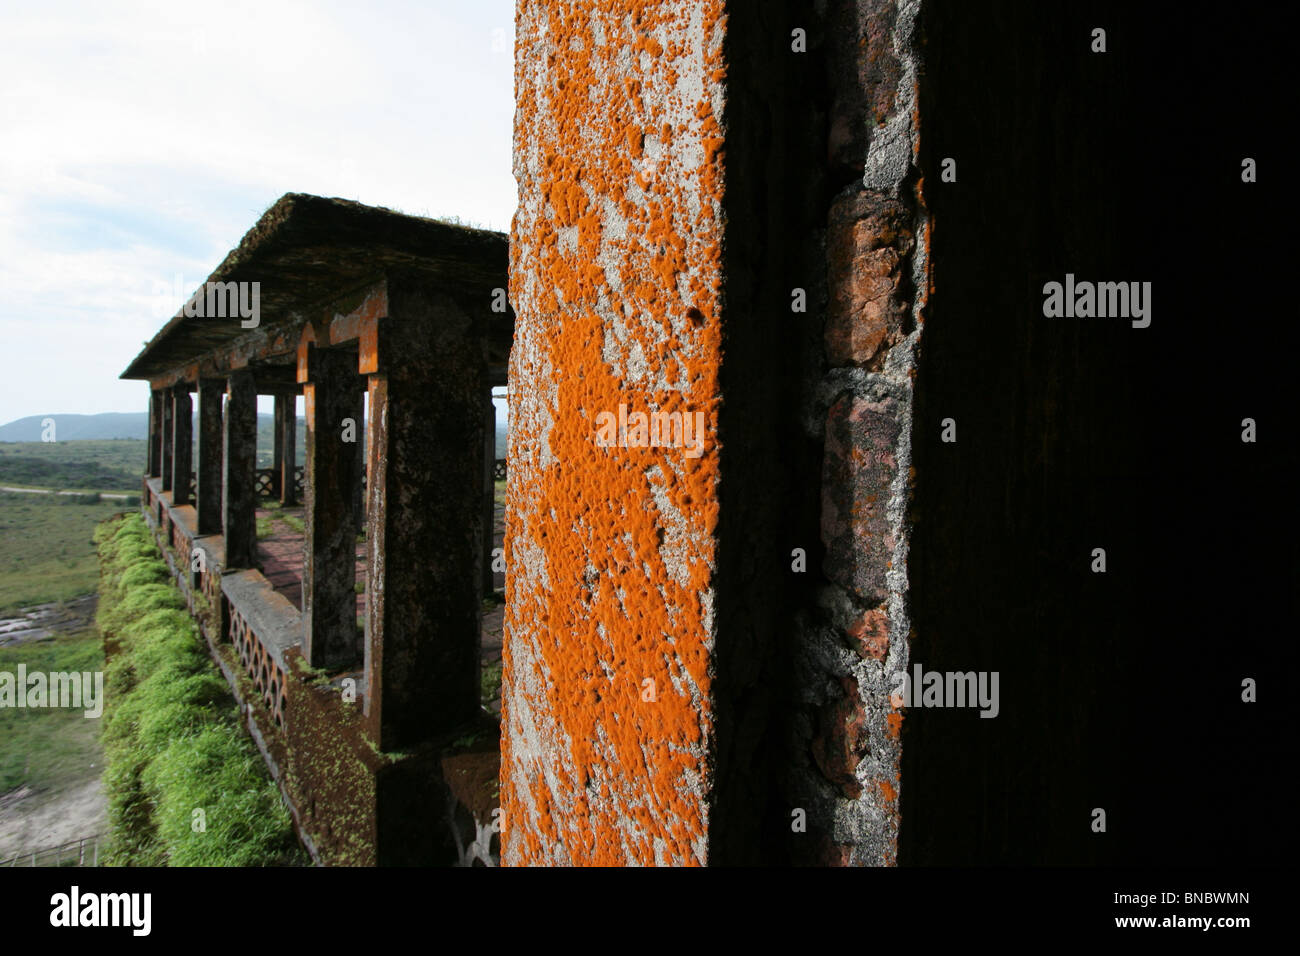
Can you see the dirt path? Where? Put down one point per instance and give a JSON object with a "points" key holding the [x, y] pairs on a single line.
{"points": [[120, 496], [77, 807], [35, 821]]}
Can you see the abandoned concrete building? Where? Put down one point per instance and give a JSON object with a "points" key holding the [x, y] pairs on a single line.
{"points": [[372, 317], [820, 230]]}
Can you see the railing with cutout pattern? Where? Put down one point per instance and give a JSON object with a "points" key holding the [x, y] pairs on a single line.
{"points": [[260, 666]]}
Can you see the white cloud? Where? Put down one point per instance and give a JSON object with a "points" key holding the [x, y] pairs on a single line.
{"points": [[141, 140]]}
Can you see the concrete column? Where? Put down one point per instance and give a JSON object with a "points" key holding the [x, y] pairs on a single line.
{"points": [[650, 598], [239, 460], [286, 430], [423, 580], [330, 637], [182, 444], [208, 503], [277, 445], [358, 415], [489, 490], [165, 441], [154, 465]]}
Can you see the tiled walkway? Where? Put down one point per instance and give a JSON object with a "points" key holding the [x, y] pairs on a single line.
{"points": [[281, 557]]}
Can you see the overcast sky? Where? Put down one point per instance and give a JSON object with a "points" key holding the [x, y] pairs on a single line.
{"points": [[140, 141]]}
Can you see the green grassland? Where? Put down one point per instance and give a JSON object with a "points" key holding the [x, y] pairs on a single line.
{"points": [[266, 445], [46, 549], [111, 465], [105, 464]]}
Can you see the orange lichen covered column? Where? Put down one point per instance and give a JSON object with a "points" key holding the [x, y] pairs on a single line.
{"points": [[611, 548]]}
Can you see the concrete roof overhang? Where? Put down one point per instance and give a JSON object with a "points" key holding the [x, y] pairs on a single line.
{"points": [[307, 251]]}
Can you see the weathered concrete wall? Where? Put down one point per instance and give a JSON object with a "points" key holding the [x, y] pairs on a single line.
{"points": [[677, 181], [846, 732]]}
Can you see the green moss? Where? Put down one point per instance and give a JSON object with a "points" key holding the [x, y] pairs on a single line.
{"points": [[243, 822], [185, 785], [316, 676]]}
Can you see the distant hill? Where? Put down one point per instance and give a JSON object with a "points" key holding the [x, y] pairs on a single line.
{"points": [[108, 425], [79, 427]]}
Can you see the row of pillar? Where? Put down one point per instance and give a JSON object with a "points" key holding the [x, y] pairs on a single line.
{"points": [[425, 573], [225, 498]]}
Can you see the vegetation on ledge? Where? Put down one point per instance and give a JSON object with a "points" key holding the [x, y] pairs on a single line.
{"points": [[185, 785]]}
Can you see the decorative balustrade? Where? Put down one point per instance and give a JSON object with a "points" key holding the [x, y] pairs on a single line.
{"points": [[266, 483], [180, 540], [210, 582], [250, 639], [259, 664], [268, 487]]}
